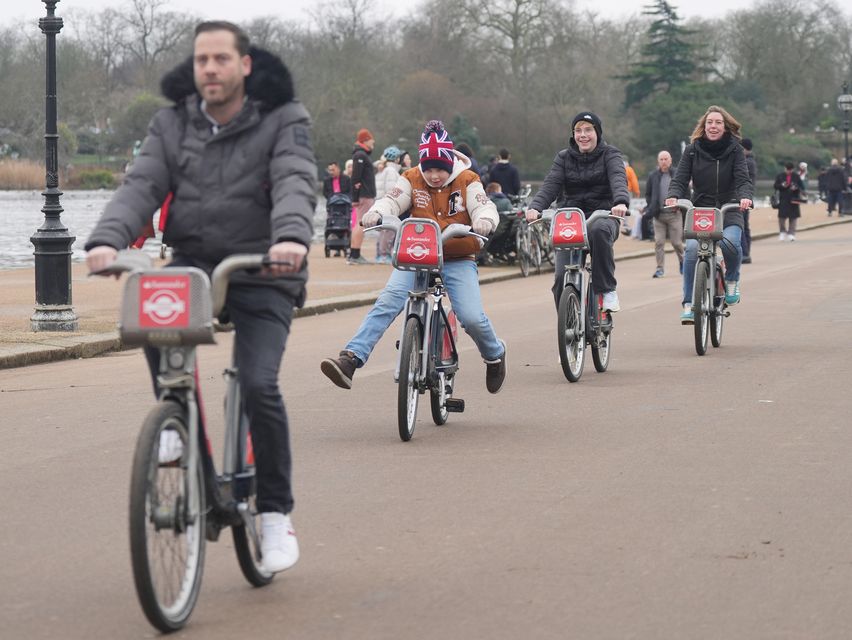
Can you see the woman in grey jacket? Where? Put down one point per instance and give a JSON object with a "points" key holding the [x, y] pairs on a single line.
{"points": [[589, 175]]}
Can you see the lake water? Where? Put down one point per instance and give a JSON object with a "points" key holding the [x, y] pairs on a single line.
{"points": [[21, 216]]}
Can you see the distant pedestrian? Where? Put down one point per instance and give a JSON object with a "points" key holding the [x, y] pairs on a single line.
{"points": [[789, 186], [405, 160], [465, 149], [496, 195], [363, 191], [506, 174], [667, 223], [803, 176], [835, 182], [385, 181], [751, 165], [335, 182]]}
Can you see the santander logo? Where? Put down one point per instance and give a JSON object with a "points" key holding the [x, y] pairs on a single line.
{"points": [[418, 251], [163, 307]]}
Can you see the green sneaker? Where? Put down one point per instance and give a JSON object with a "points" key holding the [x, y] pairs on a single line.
{"points": [[687, 317], [732, 292]]}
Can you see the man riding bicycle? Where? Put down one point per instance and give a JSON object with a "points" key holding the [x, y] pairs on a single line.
{"points": [[589, 175], [441, 188], [235, 153]]}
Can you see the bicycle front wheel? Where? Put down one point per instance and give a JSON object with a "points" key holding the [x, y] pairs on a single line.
{"points": [[570, 335], [409, 372], [701, 307], [717, 317], [166, 541]]}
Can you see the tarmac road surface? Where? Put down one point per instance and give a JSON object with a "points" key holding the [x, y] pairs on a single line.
{"points": [[674, 496]]}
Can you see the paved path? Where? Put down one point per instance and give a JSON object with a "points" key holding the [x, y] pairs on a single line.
{"points": [[671, 497], [332, 286]]}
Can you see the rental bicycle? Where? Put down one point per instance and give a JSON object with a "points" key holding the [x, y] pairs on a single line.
{"points": [[177, 499], [575, 328], [709, 309], [428, 358]]}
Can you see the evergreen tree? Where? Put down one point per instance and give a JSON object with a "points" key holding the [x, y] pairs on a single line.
{"points": [[667, 57]]}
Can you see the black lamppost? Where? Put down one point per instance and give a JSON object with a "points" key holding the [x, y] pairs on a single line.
{"points": [[53, 310], [844, 103]]}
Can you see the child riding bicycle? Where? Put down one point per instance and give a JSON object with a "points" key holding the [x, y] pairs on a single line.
{"points": [[444, 189]]}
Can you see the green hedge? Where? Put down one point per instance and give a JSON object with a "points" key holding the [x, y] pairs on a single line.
{"points": [[95, 179]]}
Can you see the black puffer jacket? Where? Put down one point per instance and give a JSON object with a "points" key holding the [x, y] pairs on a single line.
{"points": [[240, 190], [363, 174], [715, 180], [588, 181]]}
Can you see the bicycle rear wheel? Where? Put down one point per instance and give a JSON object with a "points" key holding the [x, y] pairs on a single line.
{"points": [[409, 372], [701, 307], [570, 335], [717, 317], [166, 543], [522, 246]]}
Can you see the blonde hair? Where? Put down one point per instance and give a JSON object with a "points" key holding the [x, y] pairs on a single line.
{"points": [[731, 125]]}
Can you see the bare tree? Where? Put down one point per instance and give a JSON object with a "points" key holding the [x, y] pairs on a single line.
{"points": [[153, 33]]}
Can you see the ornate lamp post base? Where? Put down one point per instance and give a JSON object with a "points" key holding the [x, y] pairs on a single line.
{"points": [[54, 318]]}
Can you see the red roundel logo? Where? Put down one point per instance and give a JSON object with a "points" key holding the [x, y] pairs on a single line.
{"points": [[703, 223], [568, 231], [163, 307], [164, 301], [418, 251]]}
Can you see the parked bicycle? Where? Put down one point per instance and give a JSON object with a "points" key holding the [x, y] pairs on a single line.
{"points": [[709, 308], [177, 498], [428, 358], [581, 319]]}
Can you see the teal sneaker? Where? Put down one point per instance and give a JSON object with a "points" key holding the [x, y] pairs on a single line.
{"points": [[732, 292], [687, 317]]}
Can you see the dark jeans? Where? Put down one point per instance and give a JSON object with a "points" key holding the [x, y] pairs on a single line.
{"points": [[602, 234], [261, 316], [835, 200], [746, 240]]}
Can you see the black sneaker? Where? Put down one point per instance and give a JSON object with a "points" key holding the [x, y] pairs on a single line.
{"points": [[341, 369], [495, 372]]}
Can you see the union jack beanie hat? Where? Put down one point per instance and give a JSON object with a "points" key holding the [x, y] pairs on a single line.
{"points": [[436, 148]]}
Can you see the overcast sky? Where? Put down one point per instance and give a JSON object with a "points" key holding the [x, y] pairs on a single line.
{"points": [[298, 9]]}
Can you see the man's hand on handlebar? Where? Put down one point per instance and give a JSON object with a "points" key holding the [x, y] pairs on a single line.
{"points": [[371, 219], [292, 253], [532, 215], [619, 210], [99, 258], [483, 227], [671, 202], [745, 204]]}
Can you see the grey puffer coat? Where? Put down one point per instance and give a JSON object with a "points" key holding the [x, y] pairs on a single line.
{"points": [[240, 190], [588, 181]]}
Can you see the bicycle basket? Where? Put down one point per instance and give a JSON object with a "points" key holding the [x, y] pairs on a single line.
{"points": [[418, 246], [167, 307], [568, 230], [703, 224]]}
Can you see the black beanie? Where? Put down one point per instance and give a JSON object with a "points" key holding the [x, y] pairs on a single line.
{"points": [[592, 119]]}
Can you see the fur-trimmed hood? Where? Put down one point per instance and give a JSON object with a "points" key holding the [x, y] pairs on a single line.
{"points": [[270, 82]]}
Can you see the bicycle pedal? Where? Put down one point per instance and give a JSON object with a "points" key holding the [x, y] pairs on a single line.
{"points": [[454, 405]]}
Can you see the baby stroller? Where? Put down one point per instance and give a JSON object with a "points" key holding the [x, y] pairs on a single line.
{"points": [[338, 218]]}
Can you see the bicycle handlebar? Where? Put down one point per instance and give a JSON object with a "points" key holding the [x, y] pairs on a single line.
{"points": [[548, 214], [130, 261], [455, 230], [684, 205]]}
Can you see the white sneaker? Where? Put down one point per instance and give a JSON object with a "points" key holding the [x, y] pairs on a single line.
{"points": [[171, 446], [791, 237], [782, 236], [610, 302], [278, 544]]}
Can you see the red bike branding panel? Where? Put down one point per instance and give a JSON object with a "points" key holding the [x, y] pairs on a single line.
{"points": [[164, 301], [446, 343], [703, 223], [569, 229], [419, 246]]}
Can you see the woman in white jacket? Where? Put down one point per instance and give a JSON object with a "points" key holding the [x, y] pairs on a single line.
{"points": [[385, 181]]}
